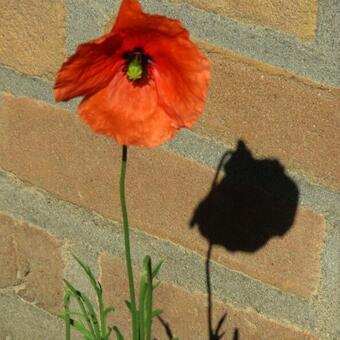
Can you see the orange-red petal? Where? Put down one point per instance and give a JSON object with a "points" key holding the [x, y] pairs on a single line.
{"points": [[129, 113], [131, 17], [90, 69], [181, 74], [146, 112]]}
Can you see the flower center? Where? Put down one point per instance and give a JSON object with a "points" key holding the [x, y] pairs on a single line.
{"points": [[136, 64], [135, 68]]}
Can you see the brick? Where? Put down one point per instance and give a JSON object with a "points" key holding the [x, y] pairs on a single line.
{"points": [[276, 114], [32, 36], [186, 313], [8, 257], [52, 149], [295, 17], [34, 263]]}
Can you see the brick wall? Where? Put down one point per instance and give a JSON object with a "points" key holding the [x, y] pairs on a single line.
{"points": [[265, 236]]}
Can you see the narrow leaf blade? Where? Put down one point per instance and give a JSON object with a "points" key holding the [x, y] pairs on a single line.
{"points": [[118, 333]]}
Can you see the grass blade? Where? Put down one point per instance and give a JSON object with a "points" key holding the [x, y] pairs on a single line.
{"points": [[148, 297], [142, 291], [89, 274], [67, 298], [155, 284], [77, 295], [128, 305], [70, 315], [92, 314], [156, 312], [118, 333], [156, 268], [80, 327], [99, 291]]}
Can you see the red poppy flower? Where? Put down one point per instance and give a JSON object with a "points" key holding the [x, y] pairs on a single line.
{"points": [[141, 82]]}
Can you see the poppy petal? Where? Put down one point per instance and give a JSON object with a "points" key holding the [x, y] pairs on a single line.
{"points": [[128, 112], [147, 111], [132, 18], [181, 74], [90, 69]]}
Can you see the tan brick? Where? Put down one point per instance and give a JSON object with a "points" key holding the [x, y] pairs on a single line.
{"points": [[8, 256], [276, 114], [32, 36], [295, 17], [52, 149], [186, 313], [34, 263]]}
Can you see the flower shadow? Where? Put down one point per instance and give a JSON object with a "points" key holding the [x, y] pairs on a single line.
{"points": [[253, 202]]}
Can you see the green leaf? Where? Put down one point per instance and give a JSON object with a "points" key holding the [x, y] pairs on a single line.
{"points": [[108, 310], [66, 315], [78, 296], [107, 336], [155, 284], [80, 327], [156, 313], [67, 298], [148, 297], [118, 333], [100, 286], [137, 324], [89, 274], [128, 304], [91, 313], [88, 311], [156, 268]]}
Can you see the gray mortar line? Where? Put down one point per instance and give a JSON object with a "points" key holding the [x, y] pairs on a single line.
{"points": [[24, 85], [22, 320], [328, 33], [315, 60], [182, 267], [328, 300], [203, 150]]}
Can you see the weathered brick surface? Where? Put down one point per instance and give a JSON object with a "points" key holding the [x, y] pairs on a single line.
{"points": [[8, 256], [31, 260], [52, 149], [32, 36], [186, 313], [296, 17], [276, 114]]}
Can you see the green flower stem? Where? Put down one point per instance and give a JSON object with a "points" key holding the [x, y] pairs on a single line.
{"points": [[127, 245]]}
